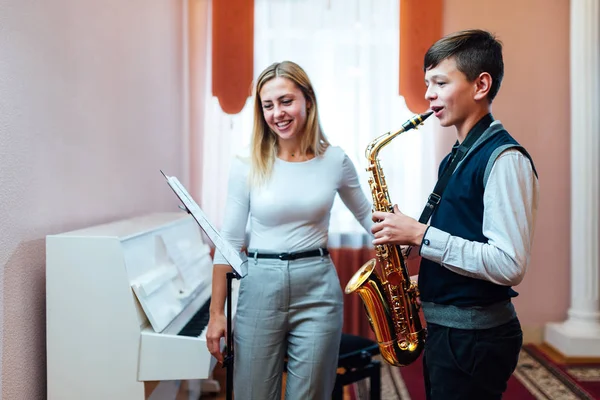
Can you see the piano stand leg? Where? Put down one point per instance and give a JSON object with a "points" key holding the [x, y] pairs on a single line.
{"points": [[228, 361]]}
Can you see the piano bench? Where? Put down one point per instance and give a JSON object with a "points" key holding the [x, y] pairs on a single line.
{"points": [[355, 363]]}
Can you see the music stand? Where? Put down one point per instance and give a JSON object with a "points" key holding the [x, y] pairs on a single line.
{"points": [[228, 359], [237, 260]]}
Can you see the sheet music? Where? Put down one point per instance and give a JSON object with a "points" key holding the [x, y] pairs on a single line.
{"points": [[237, 260]]}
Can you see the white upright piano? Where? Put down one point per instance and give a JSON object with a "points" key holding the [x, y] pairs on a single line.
{"points": [[127, 303]]}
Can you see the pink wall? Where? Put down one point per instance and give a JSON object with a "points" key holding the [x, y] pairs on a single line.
{"points": [[91, 100], [533, 104]]}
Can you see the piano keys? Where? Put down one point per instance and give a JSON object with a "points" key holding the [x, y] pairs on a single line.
{"points": [[198, 323], [127, 303]]}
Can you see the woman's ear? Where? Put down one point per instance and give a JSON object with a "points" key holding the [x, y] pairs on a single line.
{"points": [[483, 84]]}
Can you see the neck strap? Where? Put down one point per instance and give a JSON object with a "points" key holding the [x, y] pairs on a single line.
{"points": [[459, 151]]}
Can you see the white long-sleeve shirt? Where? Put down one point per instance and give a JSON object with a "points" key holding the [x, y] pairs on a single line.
{"points": [[291, 212], [510, 206]]}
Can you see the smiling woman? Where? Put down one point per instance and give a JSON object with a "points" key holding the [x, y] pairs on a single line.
{"points": [[290, 302], [289, 128], [350, 50]]}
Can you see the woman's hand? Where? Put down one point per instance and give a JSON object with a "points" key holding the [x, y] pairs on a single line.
{"points": [[217, 329]]}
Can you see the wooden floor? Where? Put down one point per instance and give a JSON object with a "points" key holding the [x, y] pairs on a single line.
{"points": [[220, 374]]}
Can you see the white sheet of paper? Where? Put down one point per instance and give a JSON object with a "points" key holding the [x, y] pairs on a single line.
{"points": [[237, 260]]}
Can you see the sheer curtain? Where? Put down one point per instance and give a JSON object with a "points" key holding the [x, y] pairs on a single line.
{"points": [[349, 48]]}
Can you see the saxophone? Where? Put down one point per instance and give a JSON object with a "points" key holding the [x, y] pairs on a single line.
{"points": [[389, 297]]}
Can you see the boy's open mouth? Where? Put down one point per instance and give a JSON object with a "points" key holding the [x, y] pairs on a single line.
{"points": [[436, 110]]}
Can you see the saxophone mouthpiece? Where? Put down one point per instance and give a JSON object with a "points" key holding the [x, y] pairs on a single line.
{"points": [[417, 120]]}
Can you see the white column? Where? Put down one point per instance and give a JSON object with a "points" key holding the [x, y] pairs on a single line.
{"points": [[579, 335]]}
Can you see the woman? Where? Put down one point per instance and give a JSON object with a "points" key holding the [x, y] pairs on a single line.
{"points": [[287, 305]]}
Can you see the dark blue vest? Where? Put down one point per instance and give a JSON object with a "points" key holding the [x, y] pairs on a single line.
{"points": [[460, 213]]}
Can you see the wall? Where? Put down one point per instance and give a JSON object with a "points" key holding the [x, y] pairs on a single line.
{"points": [[533, 104], [91, 100]]}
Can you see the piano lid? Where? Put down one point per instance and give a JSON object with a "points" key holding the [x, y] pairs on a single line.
{"points": [[133, 227]]}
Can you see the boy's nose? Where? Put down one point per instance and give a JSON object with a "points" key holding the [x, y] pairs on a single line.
{"points": [[430, 94]]}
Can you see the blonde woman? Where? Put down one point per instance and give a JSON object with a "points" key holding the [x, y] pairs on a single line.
{"points": [[290, 303]]}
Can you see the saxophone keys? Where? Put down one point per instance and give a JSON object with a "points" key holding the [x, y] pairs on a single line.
{"points": [[395, 278]]}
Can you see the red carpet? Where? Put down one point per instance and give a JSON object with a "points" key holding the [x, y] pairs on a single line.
{"points": [[563, 381], [536, 377]]}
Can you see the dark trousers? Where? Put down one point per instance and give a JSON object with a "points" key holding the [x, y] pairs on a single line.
{"points": [[470, 364]]}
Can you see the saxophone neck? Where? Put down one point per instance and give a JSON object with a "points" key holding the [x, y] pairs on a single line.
{"points": [[380, 142]]}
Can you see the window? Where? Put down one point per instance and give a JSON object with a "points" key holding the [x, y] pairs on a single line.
{"points": [[349, 48]]}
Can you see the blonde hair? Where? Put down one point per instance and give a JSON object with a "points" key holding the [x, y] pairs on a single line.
{"points": [[264, 141]]}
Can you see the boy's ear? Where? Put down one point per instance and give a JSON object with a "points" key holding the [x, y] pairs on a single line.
{"points": [[483, 84]]}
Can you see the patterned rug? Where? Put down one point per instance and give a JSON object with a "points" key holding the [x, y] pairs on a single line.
{"points": [[536, 377]]}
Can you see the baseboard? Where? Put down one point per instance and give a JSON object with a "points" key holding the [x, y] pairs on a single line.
{"points": [[555, 355]]}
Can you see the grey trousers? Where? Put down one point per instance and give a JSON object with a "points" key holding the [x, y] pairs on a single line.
{"points": [[292, 308]]}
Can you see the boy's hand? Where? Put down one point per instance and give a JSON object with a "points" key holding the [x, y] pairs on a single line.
{"points": [[397, 228]]}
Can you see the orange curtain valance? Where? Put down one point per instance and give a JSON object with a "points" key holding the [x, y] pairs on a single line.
{"points": [[420, 27], [232, 52]]}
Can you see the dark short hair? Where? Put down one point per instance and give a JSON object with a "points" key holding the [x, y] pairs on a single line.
{"points": [[475, 51]]}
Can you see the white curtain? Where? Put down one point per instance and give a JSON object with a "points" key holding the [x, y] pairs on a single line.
{"points": [[349, 48]]}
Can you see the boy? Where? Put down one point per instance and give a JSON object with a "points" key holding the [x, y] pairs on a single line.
{"points": [[478, 241]]}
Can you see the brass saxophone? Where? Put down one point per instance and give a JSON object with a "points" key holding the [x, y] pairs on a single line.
{"points": [[389, 297]]}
